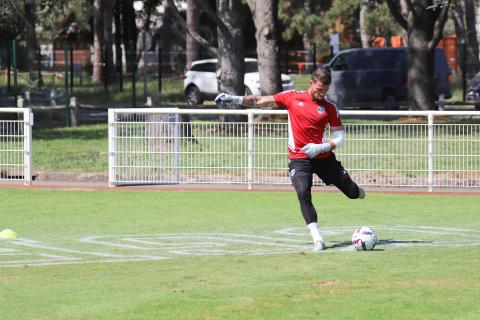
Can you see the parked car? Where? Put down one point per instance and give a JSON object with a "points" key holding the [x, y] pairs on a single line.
{"points": [[373, 76], [473, 90], [201, 81]]}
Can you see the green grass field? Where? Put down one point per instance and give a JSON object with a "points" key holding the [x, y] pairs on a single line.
{"points": [[81, 149], [221, 255]]}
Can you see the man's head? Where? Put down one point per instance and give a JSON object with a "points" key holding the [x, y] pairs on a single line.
{"points": [[319, 83]]}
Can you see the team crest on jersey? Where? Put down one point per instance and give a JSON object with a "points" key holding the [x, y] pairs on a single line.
{"points": [[320, 109]]}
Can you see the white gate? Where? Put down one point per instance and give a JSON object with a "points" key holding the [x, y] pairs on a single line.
{"points": [[16, 144]]}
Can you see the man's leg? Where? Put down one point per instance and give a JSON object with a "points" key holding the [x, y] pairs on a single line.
{"points": [[331, 171], [301, 177]]}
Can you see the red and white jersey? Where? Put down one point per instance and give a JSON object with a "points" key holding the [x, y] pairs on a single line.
{"points": [[307, 120]]}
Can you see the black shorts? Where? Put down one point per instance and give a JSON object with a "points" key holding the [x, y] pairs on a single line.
{"points": [[329, 170]]}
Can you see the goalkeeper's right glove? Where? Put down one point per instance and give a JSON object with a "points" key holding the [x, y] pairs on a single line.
{"points": [[223, 97], [312, 150]]}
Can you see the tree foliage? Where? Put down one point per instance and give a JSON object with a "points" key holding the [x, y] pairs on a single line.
{"points": [[11, 21], [298, 21], [343, 17], [379, 21], [63, 17], [292, 15], [321, 18]]}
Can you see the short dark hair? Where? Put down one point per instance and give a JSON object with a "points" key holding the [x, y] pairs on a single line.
{"points": [[323, 75]]}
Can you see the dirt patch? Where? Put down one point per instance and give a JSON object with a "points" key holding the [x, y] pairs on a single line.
{"points": [[329, 283]]}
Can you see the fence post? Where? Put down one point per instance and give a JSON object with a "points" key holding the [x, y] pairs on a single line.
{"points": [[134, 75], [159, 69], [148, 102], [176, 148], [250, 150], [67, 94], [52, 96], [27, 145], [73, 111], [39, 67], [430, 151], [14, 61], [111, 147], [70, 47], [27, 98], [145, 75], [9, 68], [20, 104], [441, 102]]}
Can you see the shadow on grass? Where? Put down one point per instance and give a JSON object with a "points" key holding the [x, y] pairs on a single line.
{"points": [[341, 244]]}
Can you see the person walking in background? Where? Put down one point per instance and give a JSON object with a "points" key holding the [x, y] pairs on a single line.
{"points": [[309, 113]]}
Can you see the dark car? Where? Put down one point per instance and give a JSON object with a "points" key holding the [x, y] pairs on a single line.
{"points": [[473, 90], [378, 76]]}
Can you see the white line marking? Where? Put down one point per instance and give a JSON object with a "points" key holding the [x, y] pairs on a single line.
{"points": [[149, 247], [35, 244]]}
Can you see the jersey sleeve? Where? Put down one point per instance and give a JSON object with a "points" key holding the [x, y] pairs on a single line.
{"points": [[282, 99], [334, 116]]}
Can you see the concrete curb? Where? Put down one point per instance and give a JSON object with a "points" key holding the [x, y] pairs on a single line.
{"points": [[70, 176]]}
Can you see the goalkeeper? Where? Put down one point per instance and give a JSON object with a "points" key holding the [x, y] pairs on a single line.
{"points": [[309, 112]]}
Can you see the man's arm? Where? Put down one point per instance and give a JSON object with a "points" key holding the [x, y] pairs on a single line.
{"points": [[338, 137], [248, 101], [259, 101], [313, 149]]}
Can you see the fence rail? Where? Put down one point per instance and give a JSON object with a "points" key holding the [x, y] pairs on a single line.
{"points": [[161, 146], [16, 144]]}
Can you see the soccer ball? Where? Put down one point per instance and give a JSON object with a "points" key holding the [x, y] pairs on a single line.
{"points": [[364, 239]]}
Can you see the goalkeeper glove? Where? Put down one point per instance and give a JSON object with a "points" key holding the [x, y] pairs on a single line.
{"points": [[226, 98], [312, 150]]}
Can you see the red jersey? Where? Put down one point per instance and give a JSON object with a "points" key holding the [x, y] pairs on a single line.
{"points": [[307, 121]]}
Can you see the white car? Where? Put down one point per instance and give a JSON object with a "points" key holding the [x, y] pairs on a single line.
{"points": [[201, 81]]}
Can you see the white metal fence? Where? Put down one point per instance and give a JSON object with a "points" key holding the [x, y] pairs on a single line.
{"points": [[416, 149], [16, 144]]}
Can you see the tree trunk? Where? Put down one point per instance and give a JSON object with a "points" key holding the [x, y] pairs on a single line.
{"points": [[477, 16], [165, 38], [364, 36], [308, 38], [97, 41], [108, 38], [472, 62], [31, 39], [193, 22], [129, 34], [230, 49], [421, 86], [457, 17], [265, 18], [118, 41], [231, 66]]}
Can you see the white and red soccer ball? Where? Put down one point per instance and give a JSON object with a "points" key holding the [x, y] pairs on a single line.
{"points": [[364, 239]]}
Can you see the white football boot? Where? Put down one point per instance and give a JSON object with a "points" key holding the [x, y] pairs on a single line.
{"points": [[319, 245]]}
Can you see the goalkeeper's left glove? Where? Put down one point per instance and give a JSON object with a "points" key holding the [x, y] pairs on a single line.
{"points": [[312, 149], [223, 97]]}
